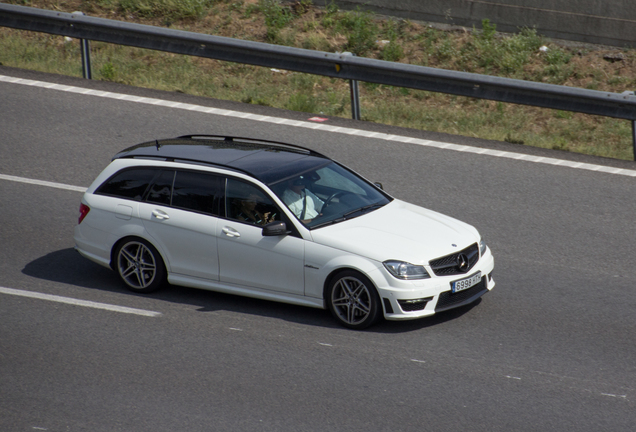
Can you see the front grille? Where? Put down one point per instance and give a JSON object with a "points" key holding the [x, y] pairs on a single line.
{"points": [[449, 300], [449, 264], [414, 305]]}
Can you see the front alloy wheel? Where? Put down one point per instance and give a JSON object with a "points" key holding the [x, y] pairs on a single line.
{"points": [[139, 266], [353, 300]]}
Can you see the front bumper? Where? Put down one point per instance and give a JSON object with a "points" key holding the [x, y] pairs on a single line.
{"points": [[418, 299]]}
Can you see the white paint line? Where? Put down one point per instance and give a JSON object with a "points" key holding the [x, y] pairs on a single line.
{"points": [[42, 183], [324, 344], [418, 361], [614, 396], [324, 127], [513, 377], [76, 302]]}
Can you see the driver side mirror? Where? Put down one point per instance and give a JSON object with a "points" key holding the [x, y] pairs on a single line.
{"points": [[275, 229], [378, 185]]}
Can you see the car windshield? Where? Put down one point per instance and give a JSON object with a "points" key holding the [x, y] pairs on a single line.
{"points": [[328, 195]]}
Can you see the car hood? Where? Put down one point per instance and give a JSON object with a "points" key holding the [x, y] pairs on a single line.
{"points": [[399, 231]]}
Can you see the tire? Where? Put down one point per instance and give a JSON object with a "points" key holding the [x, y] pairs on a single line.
{"points": [[353, 300], [139, 265]]}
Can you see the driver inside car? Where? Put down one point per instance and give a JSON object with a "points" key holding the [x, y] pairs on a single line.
{"points": [[248, 211], [300, 200]]}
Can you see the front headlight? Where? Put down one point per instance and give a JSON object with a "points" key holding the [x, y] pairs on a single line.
{"points": [[404, 270], [482, 247]]}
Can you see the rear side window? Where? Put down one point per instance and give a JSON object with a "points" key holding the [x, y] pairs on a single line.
{"points": [[129, 183], [196, 191], [161, 190], [188, 190]]}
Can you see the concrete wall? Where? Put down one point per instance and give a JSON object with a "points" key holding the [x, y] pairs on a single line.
{"points": [[608, 22]]}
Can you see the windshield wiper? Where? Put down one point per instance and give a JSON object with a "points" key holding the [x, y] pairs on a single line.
{"points": [[347, 215], [331, 222], [362, 209]]}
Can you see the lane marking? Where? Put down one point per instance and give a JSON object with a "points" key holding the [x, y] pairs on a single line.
{"points": [[76, 302], [43, 183], [614, 395], [323, 127]]}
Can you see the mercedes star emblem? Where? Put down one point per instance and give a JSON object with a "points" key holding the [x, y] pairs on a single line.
{"points": [[462, 262]]}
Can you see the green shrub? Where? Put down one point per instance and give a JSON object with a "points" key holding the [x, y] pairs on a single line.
{"points": [[108, 72], [488, 31], [276, 15], [507, 55], [393, 51], [167, 9], [316, 42], [360, 29], [556, 56], [301, 102]]}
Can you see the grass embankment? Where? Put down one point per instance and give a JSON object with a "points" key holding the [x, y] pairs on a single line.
{"points": [[525, 55]]}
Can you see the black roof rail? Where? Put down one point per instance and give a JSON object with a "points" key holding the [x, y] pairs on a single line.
{"points": [[254, 141], [187, 161], [235, 161]]}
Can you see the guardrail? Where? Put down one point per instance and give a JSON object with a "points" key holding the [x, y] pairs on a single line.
{"points": [[79, 26]]}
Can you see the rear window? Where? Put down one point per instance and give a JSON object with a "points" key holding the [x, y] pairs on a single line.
{"points": [[129, 183]]}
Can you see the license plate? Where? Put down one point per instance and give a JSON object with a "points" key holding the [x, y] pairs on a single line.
{"points": [[464, 284]]}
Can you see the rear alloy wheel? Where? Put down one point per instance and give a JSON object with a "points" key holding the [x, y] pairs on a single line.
{"points": [[353, 300], [140, 266]]}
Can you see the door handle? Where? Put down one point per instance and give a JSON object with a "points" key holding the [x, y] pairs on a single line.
{"points": [[161, 215], [231, 232]]}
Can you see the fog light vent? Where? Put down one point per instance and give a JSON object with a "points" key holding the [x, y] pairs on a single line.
{"points": [[387, 306], [414, 305]]}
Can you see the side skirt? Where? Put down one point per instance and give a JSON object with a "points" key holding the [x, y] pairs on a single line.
{"points": [[209, 285]]}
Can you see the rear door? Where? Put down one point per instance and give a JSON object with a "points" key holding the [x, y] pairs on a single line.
{"points": [[180, 214]]}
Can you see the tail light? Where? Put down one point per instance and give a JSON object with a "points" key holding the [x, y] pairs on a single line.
{"points": [[83, 211]]}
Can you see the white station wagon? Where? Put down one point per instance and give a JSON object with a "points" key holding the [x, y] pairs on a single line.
{"points": [[277, 222]]}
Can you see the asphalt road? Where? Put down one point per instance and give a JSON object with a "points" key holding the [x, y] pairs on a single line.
{"points": [[552, 347]]}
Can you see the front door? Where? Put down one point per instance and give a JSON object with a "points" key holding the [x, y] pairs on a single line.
{"points": [[246, 257]]}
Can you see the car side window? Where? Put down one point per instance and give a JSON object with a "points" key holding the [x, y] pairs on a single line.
{"points": [[128, 183], [247, 203], [196, 191], [161, 190]]}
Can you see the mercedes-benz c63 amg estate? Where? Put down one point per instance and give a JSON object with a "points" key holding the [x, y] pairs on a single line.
{"points": [[278, 222]]}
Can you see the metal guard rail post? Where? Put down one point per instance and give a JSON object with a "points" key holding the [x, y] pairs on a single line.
{"points": [[617, 105]]}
